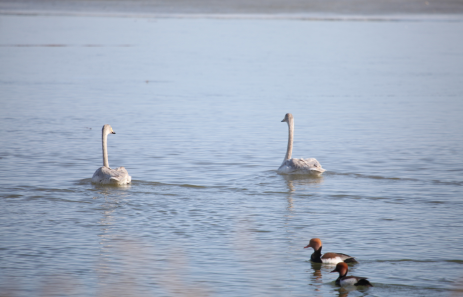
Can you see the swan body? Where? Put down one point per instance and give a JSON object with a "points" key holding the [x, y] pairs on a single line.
{"points": [[301, 166], [105, 175], [297, 166]]}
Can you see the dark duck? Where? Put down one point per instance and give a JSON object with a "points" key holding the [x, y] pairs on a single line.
{"points": [[345, 281]]}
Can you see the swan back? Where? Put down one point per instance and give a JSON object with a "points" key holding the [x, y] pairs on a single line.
{"points": [[107, 176], [301, 166]]}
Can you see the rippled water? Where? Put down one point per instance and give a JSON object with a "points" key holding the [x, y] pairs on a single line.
{"points": [[196, 105]]}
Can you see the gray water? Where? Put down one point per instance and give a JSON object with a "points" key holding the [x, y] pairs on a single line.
{"points": [[196, 105]]}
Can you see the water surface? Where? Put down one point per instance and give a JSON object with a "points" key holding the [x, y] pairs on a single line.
{"points": [[196, 105]]}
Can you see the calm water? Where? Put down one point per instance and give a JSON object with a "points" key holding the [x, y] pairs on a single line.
{"points": [[196, 105]]}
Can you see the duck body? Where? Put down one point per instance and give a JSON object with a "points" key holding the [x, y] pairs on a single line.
{"points": [[107, 176], [328, 258], [331, 258], [351, 280], [345, 281]]}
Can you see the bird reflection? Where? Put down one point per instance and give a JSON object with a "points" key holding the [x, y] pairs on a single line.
{"points": [[301, 181], [290, 202], [316, 277], [344, 291], [111, 198], [317, 273]]}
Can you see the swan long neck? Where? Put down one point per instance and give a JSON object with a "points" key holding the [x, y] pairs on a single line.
{"points": [[289, 150], [105, 148]]}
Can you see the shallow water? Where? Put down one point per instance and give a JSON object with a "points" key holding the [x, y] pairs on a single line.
{"points": [[196, 105]]}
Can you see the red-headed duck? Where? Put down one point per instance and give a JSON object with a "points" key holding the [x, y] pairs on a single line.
{"points": [[330, 258], [345, 281]]}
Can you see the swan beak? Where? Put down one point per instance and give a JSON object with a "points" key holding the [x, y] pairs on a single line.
{"points": [[284, 120], [112, 132]]}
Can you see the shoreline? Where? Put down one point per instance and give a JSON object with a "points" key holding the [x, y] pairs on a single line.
{"points": [[326, 10], [247, 16]]}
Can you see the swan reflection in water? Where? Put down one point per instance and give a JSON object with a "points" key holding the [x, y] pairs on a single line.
{"points": [[126, 260], [301, 181]]}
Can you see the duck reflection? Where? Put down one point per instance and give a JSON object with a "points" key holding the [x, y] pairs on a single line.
{"points": [[317, 273], [316, 278], [344, 291]]}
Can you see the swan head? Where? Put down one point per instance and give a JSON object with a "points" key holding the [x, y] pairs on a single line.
{"points": [[288, 117], [107, 129]]}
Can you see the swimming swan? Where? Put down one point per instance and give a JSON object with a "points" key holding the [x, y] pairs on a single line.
{"points": [[105, 175], [297, 166]]}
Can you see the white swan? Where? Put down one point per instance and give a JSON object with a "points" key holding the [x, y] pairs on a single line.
{"points": [[297, 166], [105, 175]]}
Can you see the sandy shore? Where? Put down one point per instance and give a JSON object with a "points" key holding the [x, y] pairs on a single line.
{"points": [[238, 7]]}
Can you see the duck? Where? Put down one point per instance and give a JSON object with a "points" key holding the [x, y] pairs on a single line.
{"points": [[293, 165], [344, 281], [106, 175], [328, 258]]}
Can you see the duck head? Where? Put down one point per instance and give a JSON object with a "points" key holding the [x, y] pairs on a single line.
{"points": [[342, 268], [314, 243]]}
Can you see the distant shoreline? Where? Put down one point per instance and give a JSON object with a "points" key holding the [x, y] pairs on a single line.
{"points": [[380, 10], [302, 17]]}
